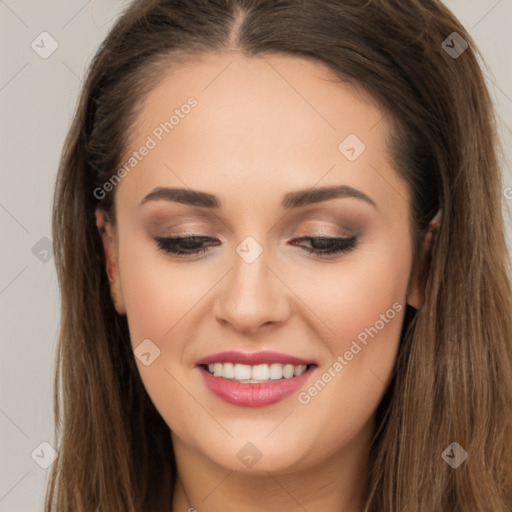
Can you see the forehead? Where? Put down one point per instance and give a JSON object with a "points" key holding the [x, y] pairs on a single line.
{"points": [[271, 123]]}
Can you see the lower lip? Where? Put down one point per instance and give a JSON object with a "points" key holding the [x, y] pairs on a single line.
{"points": [[257, 394]]}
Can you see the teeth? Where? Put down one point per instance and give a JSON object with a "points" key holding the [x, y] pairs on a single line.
{"points": [[288, 371], [242, 372], [217, 369], [276, 371], [260, 372], [228, 370], [257, 373]]}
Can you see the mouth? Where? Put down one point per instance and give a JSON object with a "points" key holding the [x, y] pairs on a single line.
{"points": [[269, 379]]}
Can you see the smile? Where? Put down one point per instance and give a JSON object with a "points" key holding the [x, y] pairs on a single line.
{"points": [[254, 379]]}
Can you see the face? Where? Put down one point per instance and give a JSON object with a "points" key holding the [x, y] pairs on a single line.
{"points": [[296, 260]]}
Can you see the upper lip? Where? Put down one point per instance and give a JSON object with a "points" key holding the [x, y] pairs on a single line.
{"points": [[253, 358]]}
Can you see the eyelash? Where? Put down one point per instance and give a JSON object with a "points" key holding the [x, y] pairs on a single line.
{"points": [[171, 245]]}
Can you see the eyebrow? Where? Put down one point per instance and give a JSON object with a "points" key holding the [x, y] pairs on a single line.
{"points": [[296, 199]]}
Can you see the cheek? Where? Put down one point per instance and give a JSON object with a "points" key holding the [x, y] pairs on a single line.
{"points": [[364, 304], [367, 290], [362, 301], [160, 297], [158, 293]]}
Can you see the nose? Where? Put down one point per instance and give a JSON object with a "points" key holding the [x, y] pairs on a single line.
{"points": [[252, 296]]}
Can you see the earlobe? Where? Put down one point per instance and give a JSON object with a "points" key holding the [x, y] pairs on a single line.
{"points": [[416, 290], [108, 237]]}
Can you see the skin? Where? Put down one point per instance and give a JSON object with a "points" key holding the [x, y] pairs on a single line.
{"points": [[264, 127]]}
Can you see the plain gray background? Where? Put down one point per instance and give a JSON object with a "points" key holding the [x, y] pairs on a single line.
{"points": [[37, 101]]}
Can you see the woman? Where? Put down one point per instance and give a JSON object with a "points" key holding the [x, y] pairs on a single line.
{"points": [[281, 254]]}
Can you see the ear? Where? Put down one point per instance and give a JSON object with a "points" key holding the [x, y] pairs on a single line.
{"points": [[416, 290], [109, 239]]}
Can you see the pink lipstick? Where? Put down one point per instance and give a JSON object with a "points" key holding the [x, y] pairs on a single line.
{"points": [[254, 379]]}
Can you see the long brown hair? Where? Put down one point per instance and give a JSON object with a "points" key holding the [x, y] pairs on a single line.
{"points": [[452, 380]]}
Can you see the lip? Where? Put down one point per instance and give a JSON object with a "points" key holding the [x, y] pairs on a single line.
{"points": [[254, 358], [254, 394]]}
